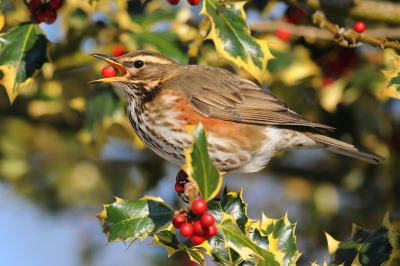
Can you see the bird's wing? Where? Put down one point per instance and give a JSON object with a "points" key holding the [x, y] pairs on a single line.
{"points": [[217, 93]]}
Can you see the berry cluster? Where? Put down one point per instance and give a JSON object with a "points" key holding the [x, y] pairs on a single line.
{"points": [[191, 2], [44, 12], [197, 224]]}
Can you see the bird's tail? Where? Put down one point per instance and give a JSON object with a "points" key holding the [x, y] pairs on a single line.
{"points": [[344, 148]]}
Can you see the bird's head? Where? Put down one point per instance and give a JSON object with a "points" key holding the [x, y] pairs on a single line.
{"points": [[140, 72]]}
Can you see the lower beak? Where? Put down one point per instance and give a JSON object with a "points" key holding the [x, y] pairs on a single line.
{"points": [[122, 70]]}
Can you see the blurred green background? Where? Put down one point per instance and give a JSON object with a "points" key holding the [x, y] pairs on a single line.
{"points": [[67, 147]]}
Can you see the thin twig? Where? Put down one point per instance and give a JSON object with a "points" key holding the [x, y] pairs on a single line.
{"points": [[348, 37], [312, 32], [192, 195], [381, 11]]}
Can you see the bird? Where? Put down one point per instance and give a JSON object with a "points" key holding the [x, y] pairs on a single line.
{"points": [[245, 125]]}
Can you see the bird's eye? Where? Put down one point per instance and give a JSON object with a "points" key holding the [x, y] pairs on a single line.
{"points": [[138, 64]]}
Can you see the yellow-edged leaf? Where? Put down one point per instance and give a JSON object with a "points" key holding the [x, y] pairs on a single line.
{"points": [[232, 37], [124, 219], [23, 52], [278, 235], [199, 167], [238, 241], [392, 83], [365, 247]]}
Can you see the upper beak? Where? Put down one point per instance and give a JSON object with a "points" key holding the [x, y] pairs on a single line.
{"points": [[122, 70]]}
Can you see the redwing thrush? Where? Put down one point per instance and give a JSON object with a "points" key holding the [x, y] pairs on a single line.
{"points": [[245, 125]]}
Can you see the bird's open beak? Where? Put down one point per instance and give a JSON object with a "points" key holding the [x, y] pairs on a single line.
{"points": [[122, 70]]}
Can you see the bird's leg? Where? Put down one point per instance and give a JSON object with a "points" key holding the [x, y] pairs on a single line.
{"points": [[189, 192]]}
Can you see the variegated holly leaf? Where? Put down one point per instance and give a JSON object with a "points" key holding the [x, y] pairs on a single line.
{"points": [[124, 219], [276, 235], [316, 264], [199, 167], [215, 246], [232, 37], [23, 52], [233, 204], [392, 83], [366, 247], [247, 249], [251, 243], [167, 238]]}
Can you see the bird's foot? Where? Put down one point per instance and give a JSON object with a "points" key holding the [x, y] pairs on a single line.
{"points": [[185, 188]]}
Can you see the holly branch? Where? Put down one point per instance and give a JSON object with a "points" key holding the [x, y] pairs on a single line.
{"points": [[369, 10]]}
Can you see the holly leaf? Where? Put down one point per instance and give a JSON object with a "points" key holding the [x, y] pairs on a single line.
{"points": [[276, 235], [23, 52], [124, 219], [199, 166], [365, 247], [233, 204], [215, 246], [392, 82], [232, 37], [238, 241], [167, 238]]}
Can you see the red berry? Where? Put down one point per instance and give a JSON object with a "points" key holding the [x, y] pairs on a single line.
{"points": [[199, 229], [359, 26], [179, 187], [194, 2], [178, 221], [211, 231], [186, 230], [173, 2], [35, 3], [40, 17], [108, 72], [118, 50], [283, 34], [199, 206], [197, 240], [55, 4], [207, 219], [50, 16], [33, 17], [327, 81]]}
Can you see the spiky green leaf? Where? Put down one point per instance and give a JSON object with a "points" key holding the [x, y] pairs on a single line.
{"points": [[239, 242], [23, 52], [233, 204], [199, 167], [215, 247], [367, 247], [276, 235], [232, 37], [392, 83], [167, 238], [124, 219]]}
